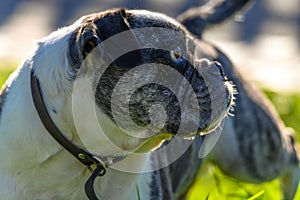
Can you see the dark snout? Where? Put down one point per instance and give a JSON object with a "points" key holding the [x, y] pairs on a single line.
{"points": [[193, 102]]}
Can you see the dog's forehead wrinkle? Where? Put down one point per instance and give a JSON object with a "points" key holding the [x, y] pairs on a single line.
{"points": [[160, 38], [94, 24], [147, 18]]}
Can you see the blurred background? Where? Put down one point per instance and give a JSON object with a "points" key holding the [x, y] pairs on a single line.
{"points": [[263, 41]]}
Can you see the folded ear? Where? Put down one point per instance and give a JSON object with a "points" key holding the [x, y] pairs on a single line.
{"points": [[96, 28], [82, 41], [88, 38]]}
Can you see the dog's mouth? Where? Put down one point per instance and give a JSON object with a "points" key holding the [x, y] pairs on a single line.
{"points": [[180, 117], [171, 127]]}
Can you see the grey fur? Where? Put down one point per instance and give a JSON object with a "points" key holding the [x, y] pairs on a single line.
{"points": [[255, 145], [265, 147], [174, 181]]}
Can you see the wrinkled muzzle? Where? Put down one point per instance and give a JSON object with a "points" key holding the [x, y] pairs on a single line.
{"points": [[157, 95]]}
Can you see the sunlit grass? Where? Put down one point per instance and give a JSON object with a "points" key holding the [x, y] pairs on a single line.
{"points": [[5, 70], [288, 106], [211, 183]]}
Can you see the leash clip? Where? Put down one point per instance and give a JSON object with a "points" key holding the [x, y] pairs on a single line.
{"points": [[97, 167]]}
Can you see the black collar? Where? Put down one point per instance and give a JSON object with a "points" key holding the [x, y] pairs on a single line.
{"points": [[93, 163]]}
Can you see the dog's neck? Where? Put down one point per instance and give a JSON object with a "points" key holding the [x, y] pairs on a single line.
{"points": [[33, 153]]}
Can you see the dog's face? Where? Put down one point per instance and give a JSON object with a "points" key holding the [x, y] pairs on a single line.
{"points": [[166, 84]]}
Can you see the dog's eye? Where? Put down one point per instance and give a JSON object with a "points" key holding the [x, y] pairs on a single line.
{"points": [[176, 55]]}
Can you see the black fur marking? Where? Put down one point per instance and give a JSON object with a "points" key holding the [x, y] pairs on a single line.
{"points": [[173, 181], [153, 93], [146, 96], [155, 185], [98, 27], [94, 29], [89, 45], [183, 171], [74, 56], [130, 59], [166, 184]]}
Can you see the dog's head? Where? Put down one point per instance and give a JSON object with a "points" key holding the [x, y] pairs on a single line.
{"points": [[148, 75]]}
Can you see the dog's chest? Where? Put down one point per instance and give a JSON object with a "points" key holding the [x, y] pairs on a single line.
{"points": [[54, 181]]}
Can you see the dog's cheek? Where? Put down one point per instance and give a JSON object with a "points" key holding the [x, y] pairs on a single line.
{"points": [[154, 106]]}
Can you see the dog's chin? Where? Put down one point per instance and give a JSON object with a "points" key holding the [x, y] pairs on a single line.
{"points": [[216, 123], [154, 142], [211, 128]]}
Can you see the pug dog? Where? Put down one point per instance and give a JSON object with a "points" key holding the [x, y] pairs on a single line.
{"points": [[95, 96]]}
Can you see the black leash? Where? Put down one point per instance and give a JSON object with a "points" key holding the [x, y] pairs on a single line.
{"points": [[96, 166], [89, 185]]}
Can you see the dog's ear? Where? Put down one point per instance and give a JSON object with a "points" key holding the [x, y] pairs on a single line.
{"points": [[88, 38], [117, 22], [98, 27]]}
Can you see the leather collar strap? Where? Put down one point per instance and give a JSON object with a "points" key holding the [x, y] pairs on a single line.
{"points": [[94, 164]]}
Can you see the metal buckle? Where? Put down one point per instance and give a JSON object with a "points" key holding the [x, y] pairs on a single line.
{"points": [[97, 165]]}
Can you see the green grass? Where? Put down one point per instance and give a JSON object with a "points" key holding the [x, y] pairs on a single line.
{"points": [[288, 106], [211, 183], [5, 70]]}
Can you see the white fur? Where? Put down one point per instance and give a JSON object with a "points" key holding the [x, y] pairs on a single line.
{"points": [[33, 165]]}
